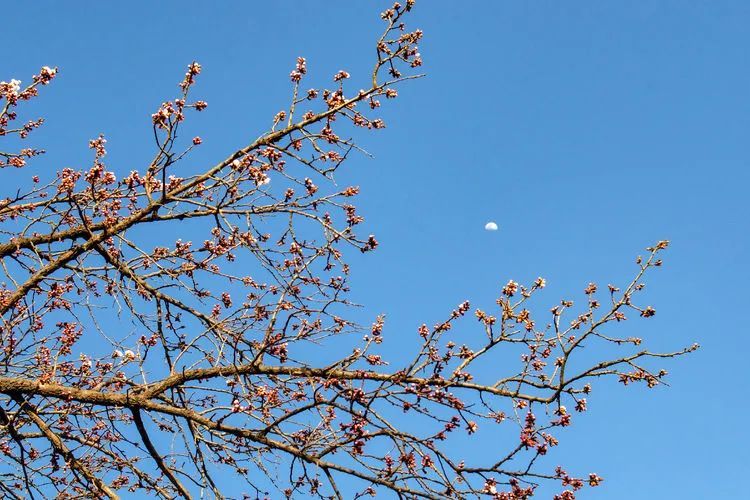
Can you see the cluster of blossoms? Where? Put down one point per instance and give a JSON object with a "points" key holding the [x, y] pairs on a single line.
{"points": [[299, 71], [71, 332], [9, 90], [12, 92], [170, 113], [341, 75]]}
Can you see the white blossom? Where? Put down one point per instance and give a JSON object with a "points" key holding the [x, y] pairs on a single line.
{"points": [[14, 86]]}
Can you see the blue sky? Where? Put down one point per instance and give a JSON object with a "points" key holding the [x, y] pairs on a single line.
{"points": [[586, 130]]}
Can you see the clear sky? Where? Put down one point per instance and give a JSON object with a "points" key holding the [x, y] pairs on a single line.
{"points": [[587, 130]]}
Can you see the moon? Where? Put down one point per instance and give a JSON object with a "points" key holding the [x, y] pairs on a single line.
{"points": [[490, 226]]}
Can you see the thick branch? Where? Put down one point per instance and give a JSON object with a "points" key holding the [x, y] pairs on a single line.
{"points": [[155, 454]]}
